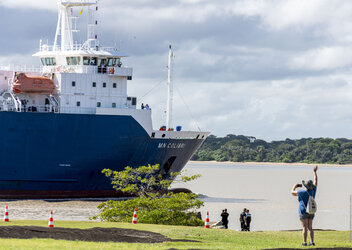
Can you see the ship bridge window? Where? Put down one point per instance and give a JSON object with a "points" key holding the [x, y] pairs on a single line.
{"points": [[111, 62], [101, 62], [48, 61], [73, 60], [86, 60], [93, 61]]}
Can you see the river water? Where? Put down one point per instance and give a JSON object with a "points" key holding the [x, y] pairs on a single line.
{"points": [[265, 191]]}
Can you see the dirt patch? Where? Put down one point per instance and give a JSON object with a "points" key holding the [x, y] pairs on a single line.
{"points": [[96, 234]]}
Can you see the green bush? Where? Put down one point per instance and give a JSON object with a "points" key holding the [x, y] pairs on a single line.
{"points": [[174, 209]]}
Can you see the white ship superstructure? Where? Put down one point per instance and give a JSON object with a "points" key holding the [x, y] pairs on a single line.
{"points": [[87, 75], [64, 122]]}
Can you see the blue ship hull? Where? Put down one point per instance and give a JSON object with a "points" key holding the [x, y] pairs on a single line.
{"points": [[62, 155]]}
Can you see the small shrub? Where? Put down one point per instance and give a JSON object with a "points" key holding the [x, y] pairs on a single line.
{"points": [[174, 209]]}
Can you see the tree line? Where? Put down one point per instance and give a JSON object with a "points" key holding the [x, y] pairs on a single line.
{"points": [[241, 148]]}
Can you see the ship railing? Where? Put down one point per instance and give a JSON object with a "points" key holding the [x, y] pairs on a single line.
{"points": [[75, 47], [39, 109], [46, 47], [46, 109], [55, 109], [22, 108], [111, 71], [20, 68]]}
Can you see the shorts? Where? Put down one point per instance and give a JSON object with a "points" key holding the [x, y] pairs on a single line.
{"points": [[306, 216]]}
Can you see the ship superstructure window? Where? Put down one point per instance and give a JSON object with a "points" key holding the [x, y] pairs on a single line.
{"points": [[86, 60], [101, 62], [94, 84], [104, 84], [111, 62], [48, 61], [98, 104], [114, 85], [76, 60], [93, 61], [78, 104], [113, 105], [73, 83]]}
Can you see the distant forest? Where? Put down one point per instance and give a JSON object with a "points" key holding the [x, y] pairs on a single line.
{"points": [[240, 148]]}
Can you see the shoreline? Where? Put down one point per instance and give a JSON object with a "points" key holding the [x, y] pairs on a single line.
{"points": [[274, 163]]}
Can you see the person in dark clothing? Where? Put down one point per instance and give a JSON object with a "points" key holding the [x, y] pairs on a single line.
{"points": [[243, 219], [224, 218], [248, 220]]}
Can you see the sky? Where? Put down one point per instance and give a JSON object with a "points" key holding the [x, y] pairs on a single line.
{"points": [[269, 69]]}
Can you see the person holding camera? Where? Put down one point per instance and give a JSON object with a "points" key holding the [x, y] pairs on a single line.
{"points": [[303, 197]]}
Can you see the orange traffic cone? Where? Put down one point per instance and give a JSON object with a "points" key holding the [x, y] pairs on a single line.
{"points": [[6, 215], [134, 220], [207, 224], [51, 220]]}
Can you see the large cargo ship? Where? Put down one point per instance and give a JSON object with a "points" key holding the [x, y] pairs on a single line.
{"points": [[65, 122]]}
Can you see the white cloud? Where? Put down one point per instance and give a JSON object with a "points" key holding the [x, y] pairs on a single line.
{"points": [[278, 14], [152, 15], [324, 17], [22, 60], [25, 4], [326, 58], [271, 69]]}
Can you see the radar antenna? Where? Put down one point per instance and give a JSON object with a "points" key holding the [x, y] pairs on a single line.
{"points": [[64, 24]]}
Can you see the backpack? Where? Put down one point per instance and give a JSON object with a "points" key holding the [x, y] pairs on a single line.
{"points": [[311, 206]]}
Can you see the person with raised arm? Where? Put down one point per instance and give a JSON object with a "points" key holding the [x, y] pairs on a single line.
{"points": [[303, 198]]}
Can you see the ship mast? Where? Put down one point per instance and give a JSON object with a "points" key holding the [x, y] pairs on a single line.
{"points": [[169, 90], [64, 24]]}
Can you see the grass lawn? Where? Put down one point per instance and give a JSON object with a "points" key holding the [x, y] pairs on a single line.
{"points": [[208, 238]]}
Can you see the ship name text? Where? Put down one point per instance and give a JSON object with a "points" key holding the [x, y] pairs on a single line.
{"points": [[172, 145]]}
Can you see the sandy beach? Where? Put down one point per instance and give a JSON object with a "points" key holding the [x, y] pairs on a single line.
{"points": [[273, 163]]}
